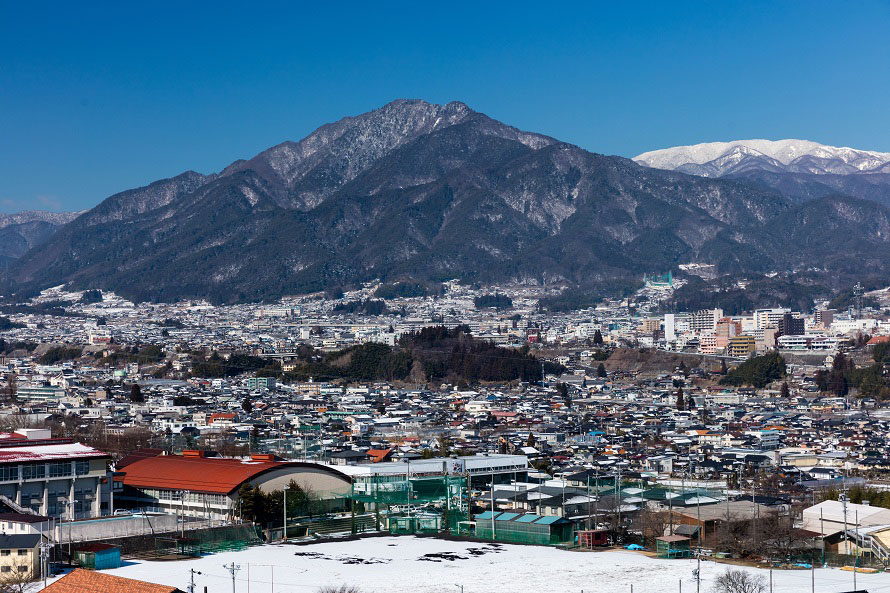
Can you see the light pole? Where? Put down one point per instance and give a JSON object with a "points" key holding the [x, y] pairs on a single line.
{"points": [[461, 587], [284, 508]]}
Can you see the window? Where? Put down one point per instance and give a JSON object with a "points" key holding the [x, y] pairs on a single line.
{"points": [[6, 569], [33, 470], [23, 568], [59, 469], [82, 467], [9, 472], [4, 552], [23, 552]]}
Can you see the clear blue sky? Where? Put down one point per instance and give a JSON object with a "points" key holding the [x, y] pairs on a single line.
{"points": [[100, 97]]}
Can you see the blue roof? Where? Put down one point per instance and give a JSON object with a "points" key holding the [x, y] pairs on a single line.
{"points": [[506, 516], [485, 515], [546, 520]]}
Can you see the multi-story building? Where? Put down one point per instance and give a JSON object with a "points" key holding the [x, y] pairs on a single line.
{"points": [[705, 320], [789, 325], [52, 477], [19, 556], [740, 346], [768, 317], [707, 344]]}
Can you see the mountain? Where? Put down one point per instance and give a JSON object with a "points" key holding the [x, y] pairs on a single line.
{"points": [[428, 192], [718, 159], [798, 169], [21, 231]]}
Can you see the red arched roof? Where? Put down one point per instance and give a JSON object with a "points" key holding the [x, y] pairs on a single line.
{"points": [[204, 474]]}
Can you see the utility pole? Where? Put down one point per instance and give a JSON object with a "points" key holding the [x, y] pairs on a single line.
{"points": [[856, 561], [44, 558], [493, 534], [284, 509], [233, 570], [698, 573], [192, 580]]}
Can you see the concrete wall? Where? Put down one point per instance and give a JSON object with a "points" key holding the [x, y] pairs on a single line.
{"points": [[324, 483], [112, 527]]}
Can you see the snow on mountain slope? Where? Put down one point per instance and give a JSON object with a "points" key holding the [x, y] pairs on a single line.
{"points": [[715, 159]]}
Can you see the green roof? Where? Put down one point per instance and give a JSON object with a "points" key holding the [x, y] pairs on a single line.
{"points": [[529, 518]]}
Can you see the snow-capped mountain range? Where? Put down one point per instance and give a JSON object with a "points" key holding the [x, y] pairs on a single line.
{"points": [[719, 159]]}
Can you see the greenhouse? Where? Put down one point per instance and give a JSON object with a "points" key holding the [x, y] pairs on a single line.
{"points": [[524, 528]]}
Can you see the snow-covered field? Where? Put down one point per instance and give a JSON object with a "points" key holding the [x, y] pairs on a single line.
{"points": [[420, 565]]}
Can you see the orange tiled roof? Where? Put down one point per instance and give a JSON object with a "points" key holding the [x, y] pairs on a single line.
{"points": [[87, 581], [378, 455]]}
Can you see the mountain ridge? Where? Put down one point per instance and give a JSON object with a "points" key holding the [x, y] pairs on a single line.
{"points": [[426, 192]]}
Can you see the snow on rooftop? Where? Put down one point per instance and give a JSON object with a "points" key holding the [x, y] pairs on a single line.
{"points": [[47, 452]]}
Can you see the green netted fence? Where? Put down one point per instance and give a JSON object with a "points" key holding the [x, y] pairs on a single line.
{"points": [[415, 504], [207, 541]]}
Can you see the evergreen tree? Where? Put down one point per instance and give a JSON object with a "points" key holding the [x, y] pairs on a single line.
{"points": [[597, 338], [246, 404], [136, 394], [785, 391], [564, 393], [681, 404], [601, 370]]}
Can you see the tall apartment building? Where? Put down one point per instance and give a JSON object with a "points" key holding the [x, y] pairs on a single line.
{"points": [[768, 317], [790, 325], [705, 320]]}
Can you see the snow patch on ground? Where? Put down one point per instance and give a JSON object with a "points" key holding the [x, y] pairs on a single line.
{"points": [[424, 565]]}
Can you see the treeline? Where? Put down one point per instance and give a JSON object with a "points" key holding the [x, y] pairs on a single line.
{"points": [[267, 509], [869, 381], [366, 307], [91, 296], [148, 354], [216, 366], [7, 347], [493, 301], [455, 353], [759, 292], [588, 295], [61, 354], [434, 353], [6, 323], [52, 308], [407, 290], [758, 371]]}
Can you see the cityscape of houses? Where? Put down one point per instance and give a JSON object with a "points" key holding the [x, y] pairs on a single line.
{"points": [[635, 438]]}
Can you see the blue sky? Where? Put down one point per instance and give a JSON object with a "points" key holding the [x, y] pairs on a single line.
{"points": [[100, 97]]}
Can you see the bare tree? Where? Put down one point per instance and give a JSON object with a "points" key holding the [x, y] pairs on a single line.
{"points": [[652, 524], [735, 536], [739, 581], [341, 589], [18, 582]]}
